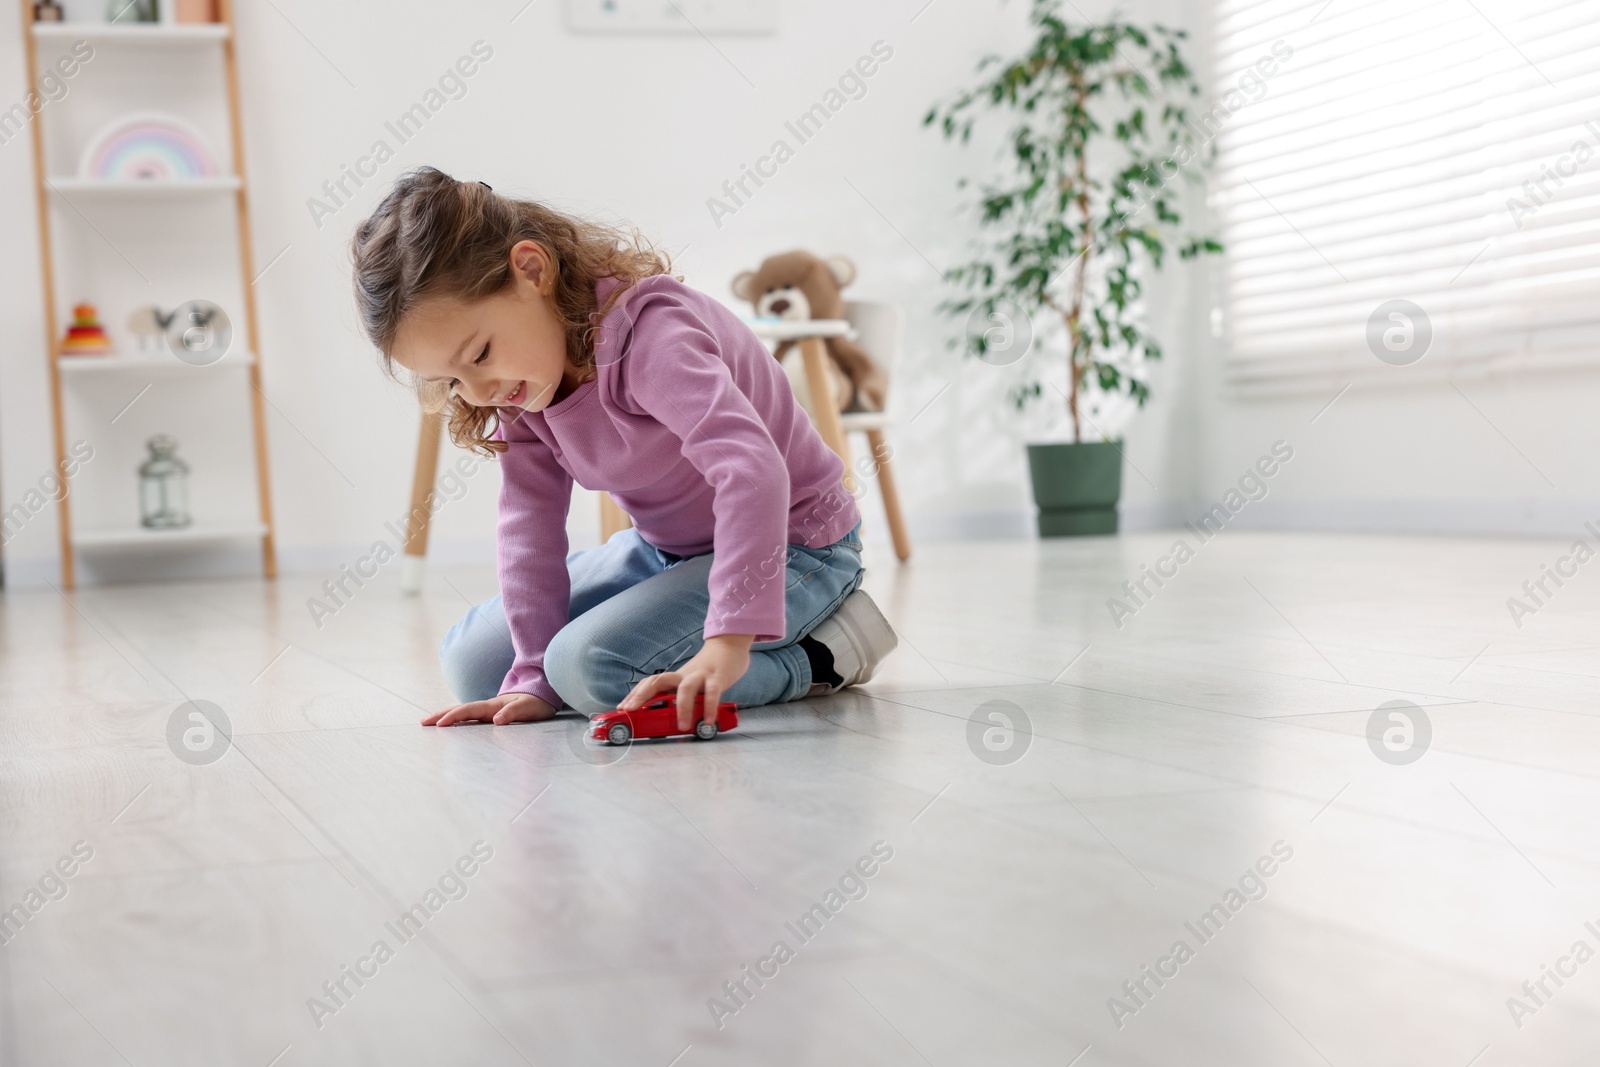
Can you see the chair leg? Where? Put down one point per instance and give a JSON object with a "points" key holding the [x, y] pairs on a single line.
{"points": [[891, 496], [422, 478]]}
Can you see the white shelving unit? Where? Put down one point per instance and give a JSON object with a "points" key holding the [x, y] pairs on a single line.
{"points": [[120, 244]]}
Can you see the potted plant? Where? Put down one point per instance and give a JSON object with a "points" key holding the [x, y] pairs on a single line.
{"points": [[1101, 127]]}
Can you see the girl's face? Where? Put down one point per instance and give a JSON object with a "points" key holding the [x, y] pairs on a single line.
{"points": [[509, 350]]}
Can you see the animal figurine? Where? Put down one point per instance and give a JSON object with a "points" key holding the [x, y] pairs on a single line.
{"points": [[797, 286], [149, 325]]}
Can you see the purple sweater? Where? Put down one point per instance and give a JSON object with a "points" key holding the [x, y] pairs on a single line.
{"points": [[691, 425]]}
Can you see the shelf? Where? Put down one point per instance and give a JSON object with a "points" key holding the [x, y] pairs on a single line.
{"points": [[153, 187], [145, 364], [131, 33], [138, 536]]}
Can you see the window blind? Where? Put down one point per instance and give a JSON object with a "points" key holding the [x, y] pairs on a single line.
{"points": [[1442, 152]]}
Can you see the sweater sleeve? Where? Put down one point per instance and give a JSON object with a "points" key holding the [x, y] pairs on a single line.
{"points": [[674, 373], [535, 588]]}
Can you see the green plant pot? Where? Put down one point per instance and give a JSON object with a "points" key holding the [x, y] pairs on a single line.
{"points": [[1076, 487]]}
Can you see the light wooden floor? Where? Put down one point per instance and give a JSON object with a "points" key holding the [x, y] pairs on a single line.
{"points": [[1165, 758]]}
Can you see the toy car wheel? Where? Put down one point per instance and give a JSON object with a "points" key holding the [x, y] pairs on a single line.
{"points": [[619, 733], [705, 731]]}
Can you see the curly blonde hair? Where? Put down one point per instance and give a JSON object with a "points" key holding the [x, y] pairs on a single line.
{"points": [[434, 237]]}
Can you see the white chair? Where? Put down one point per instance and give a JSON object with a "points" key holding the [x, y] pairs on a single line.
{"points": [[880, 330]]}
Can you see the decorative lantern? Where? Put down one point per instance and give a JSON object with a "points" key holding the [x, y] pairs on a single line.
{"points": [[164, 486]]}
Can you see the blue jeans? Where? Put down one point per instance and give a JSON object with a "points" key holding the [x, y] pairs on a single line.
{"points": [[637, 611]]}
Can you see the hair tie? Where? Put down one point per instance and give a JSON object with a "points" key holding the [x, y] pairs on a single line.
{"points": [[487, 186]]}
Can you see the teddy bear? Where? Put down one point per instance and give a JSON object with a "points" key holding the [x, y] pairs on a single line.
{"points": [[797, 286]]}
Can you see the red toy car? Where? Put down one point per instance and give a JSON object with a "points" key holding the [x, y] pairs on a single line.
{"points": [[659, 718]]}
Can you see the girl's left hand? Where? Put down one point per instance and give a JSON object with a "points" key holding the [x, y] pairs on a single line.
{"points": [[721, 661]]}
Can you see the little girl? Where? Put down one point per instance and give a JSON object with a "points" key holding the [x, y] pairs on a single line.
{"points": [[570, 349]]}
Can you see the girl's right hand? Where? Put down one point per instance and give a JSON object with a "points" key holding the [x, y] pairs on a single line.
{"points": [[505, 708]]}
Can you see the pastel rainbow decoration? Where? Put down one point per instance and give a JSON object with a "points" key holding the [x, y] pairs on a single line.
{"points": [[148, 146]]}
